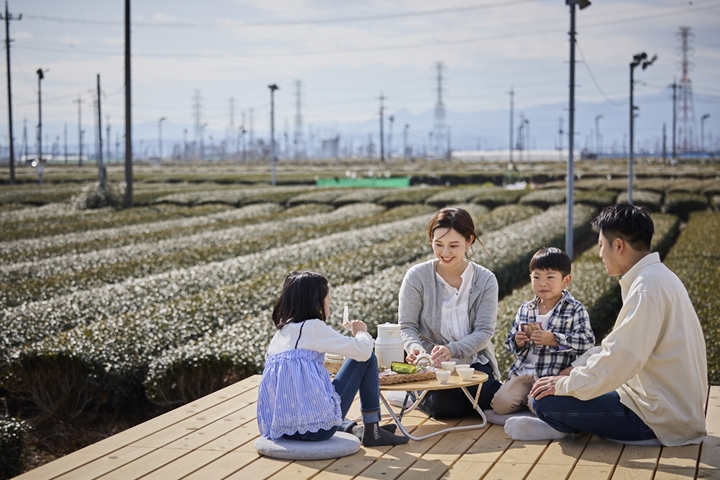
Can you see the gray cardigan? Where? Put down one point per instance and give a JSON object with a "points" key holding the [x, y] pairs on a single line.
{"points": [[420, 312]]}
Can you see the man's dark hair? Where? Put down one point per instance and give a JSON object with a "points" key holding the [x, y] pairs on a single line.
{"points": [[302, 298], [551, 258], [629, 222]]}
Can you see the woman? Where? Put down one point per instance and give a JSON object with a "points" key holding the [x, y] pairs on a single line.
{"points": [[448, 307]]}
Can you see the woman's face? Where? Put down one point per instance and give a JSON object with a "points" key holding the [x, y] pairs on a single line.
{"points": [[449, 246]]}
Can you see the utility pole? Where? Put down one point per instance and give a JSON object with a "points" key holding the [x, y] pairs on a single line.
{"points": [[382, 136], [639, 59], [597, 137], [272, 88], [160, 152], [79, 103], [39, 134], [702, 131], [674, 126], [101, 165], [107, 136], [405, 145], [512, 94], [8, 17], [128, 114], [439, 127], [664, 144], [65, 138], [297, 140], [391, 119]]}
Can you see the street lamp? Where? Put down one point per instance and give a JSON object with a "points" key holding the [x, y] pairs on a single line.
{"points": [[405, 145], [40, 77], [272, 88], [639, 59], [702, 131], [160, 138], [571, 133]]}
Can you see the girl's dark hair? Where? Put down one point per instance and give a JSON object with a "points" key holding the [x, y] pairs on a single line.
{"points": [[302, 298], [551, 258], [455, 218]]}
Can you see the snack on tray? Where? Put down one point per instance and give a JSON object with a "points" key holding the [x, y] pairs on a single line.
{"points": [[403, 367]]}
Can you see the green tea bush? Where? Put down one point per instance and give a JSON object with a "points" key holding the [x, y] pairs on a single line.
{"points": [[362, 195], [652, 200], [93, 196], [454, 196], [12, 446], [319, 196], [503, 216], [715, 202], [405, 196], [544, 198], [494, 197], [682, 203], [695, 259], [596, 198], [616, 184]]}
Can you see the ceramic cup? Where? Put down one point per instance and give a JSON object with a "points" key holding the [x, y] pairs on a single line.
{"points": [[442, 375], [466, 373], [462, 365], [449, 366]]}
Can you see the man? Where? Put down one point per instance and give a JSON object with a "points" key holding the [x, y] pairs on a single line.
{"points": [[647, 382]]}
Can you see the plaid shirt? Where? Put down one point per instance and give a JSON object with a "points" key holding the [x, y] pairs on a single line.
{"points": [[571, 325]]}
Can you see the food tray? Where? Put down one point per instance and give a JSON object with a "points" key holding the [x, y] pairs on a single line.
{"points": [[406, 377]]}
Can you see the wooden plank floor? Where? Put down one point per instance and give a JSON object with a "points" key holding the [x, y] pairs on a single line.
{"points": [[213, 438]]}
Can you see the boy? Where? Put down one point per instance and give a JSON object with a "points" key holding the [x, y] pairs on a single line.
{"points": [[548, 333]]}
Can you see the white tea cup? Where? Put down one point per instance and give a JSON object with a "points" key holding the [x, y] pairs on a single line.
{"points": [[442, 375], [465, 373], [449, 366]]}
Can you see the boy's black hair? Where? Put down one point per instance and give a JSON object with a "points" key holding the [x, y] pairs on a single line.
{"points": [[551, 258], [302, 298], [629, 222]]}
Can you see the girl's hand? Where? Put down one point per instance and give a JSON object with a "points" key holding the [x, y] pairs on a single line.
{"points": [[440, 353], [521, 339], [412, 356], [543, 337], [357, 326]]}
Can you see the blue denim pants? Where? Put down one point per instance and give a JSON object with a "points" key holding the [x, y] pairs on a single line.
{"points": [[604, 416], [352, 378]]}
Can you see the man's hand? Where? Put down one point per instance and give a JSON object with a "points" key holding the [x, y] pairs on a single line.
{"points": [[544, 387], [521, 339], [543, 337]]}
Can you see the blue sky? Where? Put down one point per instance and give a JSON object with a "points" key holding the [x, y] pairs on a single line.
{"points": [[347, 53]]}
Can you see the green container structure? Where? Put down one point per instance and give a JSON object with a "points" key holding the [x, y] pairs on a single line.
{"points": [[392, 182]]}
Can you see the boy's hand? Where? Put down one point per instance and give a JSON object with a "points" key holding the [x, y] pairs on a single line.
{"points": [[357, 326], [521, 339], [543, 337]]}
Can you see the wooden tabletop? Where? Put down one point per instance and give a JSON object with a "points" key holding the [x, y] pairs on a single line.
{"points": [[433, 384]]}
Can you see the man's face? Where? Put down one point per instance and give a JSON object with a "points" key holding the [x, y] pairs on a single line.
{"points": [[609, 255]]}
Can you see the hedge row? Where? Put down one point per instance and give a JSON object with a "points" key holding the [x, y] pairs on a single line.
{"points": [[184, 373], [695, 258], [591, 285], [12, 443]]}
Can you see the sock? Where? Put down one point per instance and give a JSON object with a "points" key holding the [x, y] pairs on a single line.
{"points": [[531, 428], [499, 419], [359, 430], [374, 436]]}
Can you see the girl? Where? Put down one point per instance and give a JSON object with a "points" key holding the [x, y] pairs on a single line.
{"points": [[297, 401], [448, 307]]}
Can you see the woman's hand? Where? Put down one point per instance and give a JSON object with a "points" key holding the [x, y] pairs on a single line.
{"points": [[440, 353], [412, 356], [357, 326]]}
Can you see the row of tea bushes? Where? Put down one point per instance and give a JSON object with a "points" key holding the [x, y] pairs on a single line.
{"points": [[184, 373], [591, 285], [235, 196], [92, 270], [33, 321], [39, 247], [66, 370], [12, 444], [695, 258]]}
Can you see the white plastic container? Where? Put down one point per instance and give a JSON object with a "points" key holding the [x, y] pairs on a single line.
{"points": [[389, 345]]}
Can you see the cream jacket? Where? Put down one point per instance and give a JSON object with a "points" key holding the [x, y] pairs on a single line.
{"points": [[654, 358]]}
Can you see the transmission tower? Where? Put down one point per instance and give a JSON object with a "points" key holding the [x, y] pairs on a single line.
{"points": [[198, 118], [686, 112], [439, 134], [298, 140]]}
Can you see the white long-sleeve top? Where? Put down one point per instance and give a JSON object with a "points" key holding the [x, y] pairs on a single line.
{"points": [[320, 337], [654, 358]]}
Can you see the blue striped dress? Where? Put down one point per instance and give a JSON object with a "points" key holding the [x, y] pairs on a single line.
{"points": [[296, 395]]}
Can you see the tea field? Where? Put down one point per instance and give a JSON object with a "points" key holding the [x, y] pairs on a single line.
{"points": [[105, 310]]}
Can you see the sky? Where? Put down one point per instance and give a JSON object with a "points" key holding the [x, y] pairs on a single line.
{"points": [[346, 54]]}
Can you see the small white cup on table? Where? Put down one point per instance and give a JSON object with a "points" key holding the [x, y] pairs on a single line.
{"points": [[466, 373], [442, 376]]}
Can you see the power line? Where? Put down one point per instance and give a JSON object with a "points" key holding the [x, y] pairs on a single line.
{"points": [[587, 66]]}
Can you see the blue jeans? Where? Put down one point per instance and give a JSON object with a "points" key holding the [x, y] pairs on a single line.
{"points": [[353, 376], [604, 416]]}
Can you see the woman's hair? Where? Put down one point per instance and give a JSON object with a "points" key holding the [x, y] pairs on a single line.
{"points": [[302, 298], [455, 218], [551, 258]]}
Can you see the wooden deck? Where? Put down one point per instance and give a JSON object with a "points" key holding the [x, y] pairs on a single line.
{"points": [[213, 437]]}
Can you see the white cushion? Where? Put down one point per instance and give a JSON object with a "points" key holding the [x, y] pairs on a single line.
{"points": [[339, 445]]}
